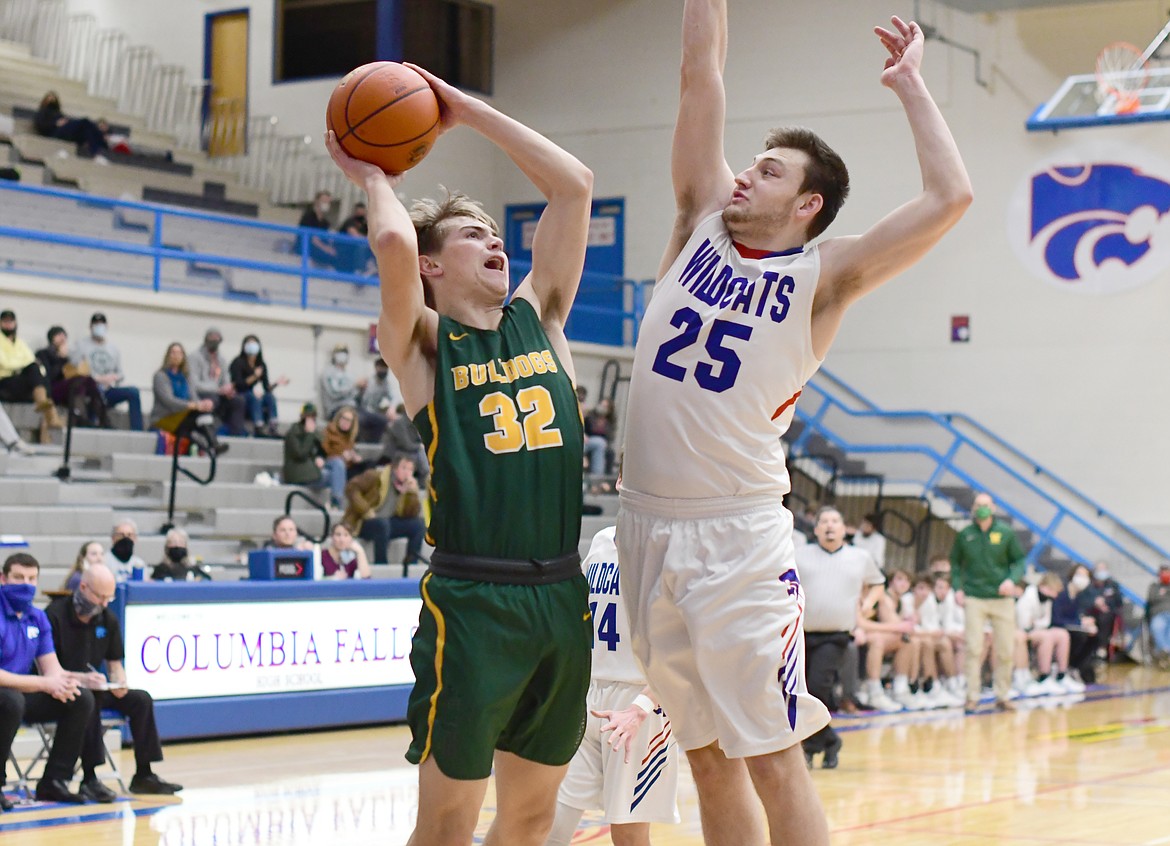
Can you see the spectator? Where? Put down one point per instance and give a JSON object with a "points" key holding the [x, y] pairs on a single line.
{"points": [[384, 504], [176, 565], [9, 438], [52, 695], [871, 540], [599, 425], [1051, 643], [1158, 616], [337, 387], [91, 553], [938, 683], [953, 625], [70, 385], [354, 258], [380, 400], [86, 635], [1071, 610], [105, 366], [402, 438], [342, 558], [211, 380], [883, 632], [908, 658], [89, 137], [340, 440], [305, 462], [22, 378], [1106, 609], [248, 372], [323, 251], [987, 564], [286, 535], [176, 409], [834, 578], [120, 558]]}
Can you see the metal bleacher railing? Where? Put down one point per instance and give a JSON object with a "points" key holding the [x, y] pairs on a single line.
{"points": [[161, 248], [930, 455]]}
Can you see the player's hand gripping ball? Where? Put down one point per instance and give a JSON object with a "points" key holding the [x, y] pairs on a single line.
{"points": [[386, 114]]}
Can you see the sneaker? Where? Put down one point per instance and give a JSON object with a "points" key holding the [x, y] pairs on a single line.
{"points": [[883, 703], [1071, 684], [1037, 688]]}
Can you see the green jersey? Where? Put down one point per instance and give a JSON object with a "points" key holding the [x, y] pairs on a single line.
{"points": [[504, 438]]}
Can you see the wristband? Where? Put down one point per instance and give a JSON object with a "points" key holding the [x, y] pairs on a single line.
{"points": [[644, 703]]}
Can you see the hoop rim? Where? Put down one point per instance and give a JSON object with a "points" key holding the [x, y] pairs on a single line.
{"points": [[1124, 83]]}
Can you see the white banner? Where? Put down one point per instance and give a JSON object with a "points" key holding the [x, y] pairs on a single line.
{"points": [[242, 648]]}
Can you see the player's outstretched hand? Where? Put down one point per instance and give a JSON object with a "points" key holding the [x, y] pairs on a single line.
{"points": [[358, 172], [624, 724], [905, 46], [453, 103]]}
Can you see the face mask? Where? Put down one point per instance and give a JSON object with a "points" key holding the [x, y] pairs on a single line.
{"points": [[1045, 597], [212, 346], [340, 358], [98, 330], [252, 348], [19, 597], [983, 512], [9, 333], [83, 605], [123, 549], [176, 553], [1080, 581], [1101, 575]]}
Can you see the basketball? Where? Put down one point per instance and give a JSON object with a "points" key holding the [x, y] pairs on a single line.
{"points": [[386, 114]]}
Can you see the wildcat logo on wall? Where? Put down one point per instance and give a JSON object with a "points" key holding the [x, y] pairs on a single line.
{"points": [[1094, 220]]}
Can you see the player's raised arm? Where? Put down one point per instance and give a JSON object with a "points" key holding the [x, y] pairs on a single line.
{"points": [[854, 266], [702, 180], [558, 246], [406, 327]]}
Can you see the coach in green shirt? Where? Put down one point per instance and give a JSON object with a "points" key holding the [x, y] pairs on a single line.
{"points": [[987, 564]]}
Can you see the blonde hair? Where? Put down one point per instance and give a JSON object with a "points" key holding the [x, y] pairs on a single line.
{"points": [[430, 216]]}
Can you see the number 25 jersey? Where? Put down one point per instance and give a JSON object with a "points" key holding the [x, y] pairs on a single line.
{"points": [[723, 352]]}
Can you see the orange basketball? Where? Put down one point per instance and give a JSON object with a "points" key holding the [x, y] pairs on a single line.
{"points": [[386, 114]]}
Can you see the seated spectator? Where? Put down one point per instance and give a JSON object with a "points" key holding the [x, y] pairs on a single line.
{"points": [[322, 251], [338, 388], [1051, 643], [954, 624], [354, 258], [1158, 616], [9, 438], [286, 535], [340, 440], [177, 565], [86, 634], [882, 631], [177, 411], [384, 504], [248, 372], [90, 137], [305, 462], [599, 431], [342, 558], [871, 540], [1106, 608], [1070, 610], [22, 378], [938, 682], [105, 366], [52, 695], [380, 399], [70, 384], [91, 553], [402, 438], [120, 558], [910, 667], [210, 379]]}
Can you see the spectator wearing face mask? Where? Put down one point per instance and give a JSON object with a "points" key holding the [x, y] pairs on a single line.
{"points": [[1070, 610], [1106, 607], [380, 399], [250, 377], [211, 379], [337, 386], [323, 251], [105, 366], [176, 565], [120, 557]]}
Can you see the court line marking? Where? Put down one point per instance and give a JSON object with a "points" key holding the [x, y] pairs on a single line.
{"points": [[78, 819]]}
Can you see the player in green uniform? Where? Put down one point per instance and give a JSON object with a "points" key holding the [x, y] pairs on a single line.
{"points": [[501, 656]]}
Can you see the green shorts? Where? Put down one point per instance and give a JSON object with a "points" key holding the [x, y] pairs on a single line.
{"points": [[499, 666]]}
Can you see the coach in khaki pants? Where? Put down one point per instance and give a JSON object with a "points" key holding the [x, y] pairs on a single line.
{"points": [[987, 565]]}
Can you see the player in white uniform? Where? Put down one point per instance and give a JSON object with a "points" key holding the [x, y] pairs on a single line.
{"points": [[633, 774], [743, 314]]}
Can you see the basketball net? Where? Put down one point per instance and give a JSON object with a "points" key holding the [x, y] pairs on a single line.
{"points": [[1122, 74]]}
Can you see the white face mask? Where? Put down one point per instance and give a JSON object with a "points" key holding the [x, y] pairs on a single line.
{"points": [[340, 358], [251, 348], [1080, 581], [98, 330]]}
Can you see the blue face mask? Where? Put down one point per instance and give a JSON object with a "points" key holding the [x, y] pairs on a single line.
{"points": [[19, 597]]}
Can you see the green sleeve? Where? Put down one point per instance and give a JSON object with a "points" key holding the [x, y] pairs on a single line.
{"points": [[301, 446], [957, 563]]}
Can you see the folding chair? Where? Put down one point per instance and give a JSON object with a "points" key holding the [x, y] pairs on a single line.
{"points": [[47, 731]]}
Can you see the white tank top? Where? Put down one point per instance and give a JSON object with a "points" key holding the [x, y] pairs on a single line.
{"points": [[613, 654], [723, 352]]}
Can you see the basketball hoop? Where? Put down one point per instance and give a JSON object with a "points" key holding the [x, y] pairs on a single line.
{"points": [[1122, 74]]}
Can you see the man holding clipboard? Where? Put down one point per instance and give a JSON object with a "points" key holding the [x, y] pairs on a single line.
{"points": [[86, 635]]}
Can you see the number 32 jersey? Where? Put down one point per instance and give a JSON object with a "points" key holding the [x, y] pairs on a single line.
{"points": [[723, 352], [613, 655]]}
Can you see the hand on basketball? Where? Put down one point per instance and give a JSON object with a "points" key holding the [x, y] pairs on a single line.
{"points": [[356, 171], [624, 724], [452, 102], [905, 46]]}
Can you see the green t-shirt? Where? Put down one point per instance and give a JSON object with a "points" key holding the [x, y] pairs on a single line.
{"points": [[504, 438], [980, 561]]}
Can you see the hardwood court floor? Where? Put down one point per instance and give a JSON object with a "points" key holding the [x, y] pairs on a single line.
{"points": [[1095, 773]]}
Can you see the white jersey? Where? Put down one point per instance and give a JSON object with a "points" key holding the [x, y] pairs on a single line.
{"points": [[723, 352], [613, 654]]}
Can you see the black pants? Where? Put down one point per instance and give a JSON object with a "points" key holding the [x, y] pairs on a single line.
{"points": [[1082, 647], [139, 707], [71, 717], [381, 530], [823, 653], [19, 387], [86, 134], [232, 412]]}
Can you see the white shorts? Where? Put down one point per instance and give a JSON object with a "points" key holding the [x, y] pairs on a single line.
{"points": [[642, 791], [717, 619]]}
